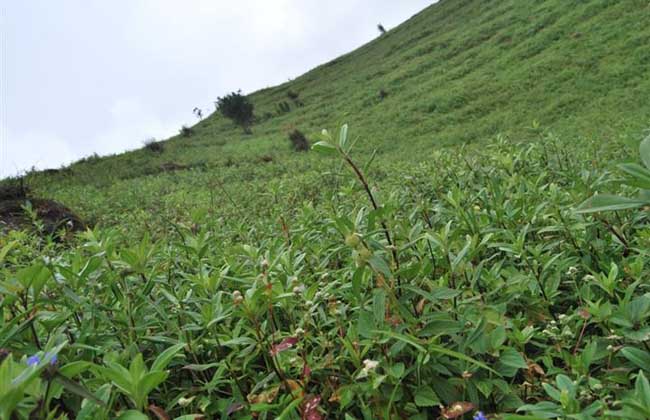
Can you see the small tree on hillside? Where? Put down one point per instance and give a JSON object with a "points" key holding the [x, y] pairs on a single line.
{"points": [[238, 108]]}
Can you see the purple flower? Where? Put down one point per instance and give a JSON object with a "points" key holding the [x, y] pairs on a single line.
{"points": [[53, 358], [479, 416], [36, 359], [33, 360]]}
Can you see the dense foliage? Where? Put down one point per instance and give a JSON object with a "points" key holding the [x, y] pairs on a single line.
{"points": [[473, 284], [441, 266]]}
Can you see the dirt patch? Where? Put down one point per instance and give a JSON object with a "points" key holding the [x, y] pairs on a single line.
{"points": [[54, 216]]}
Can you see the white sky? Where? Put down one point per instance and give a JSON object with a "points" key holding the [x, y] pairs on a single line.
{"points": [[85, 76]]}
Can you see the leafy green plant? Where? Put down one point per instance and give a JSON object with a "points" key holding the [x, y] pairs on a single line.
{"points": [[637, 176], [137, 381], [281, 282]]}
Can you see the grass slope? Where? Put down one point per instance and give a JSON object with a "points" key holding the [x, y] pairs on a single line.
{"points": [[229, 277], [458, 72]]}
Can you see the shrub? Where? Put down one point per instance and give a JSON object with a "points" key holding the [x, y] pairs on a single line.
{"points": [[154, 146], [293, 95], [13, 188], [298, 141], [187, 131], [283, 107], [267, 116], [238, 108]]}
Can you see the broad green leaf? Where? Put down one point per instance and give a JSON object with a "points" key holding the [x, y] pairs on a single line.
{"points": [[606, 202], [166, 356], [118, 374], [441, 350], [5, 250], [137, 369], [133, 415], [11, 329], [564, 383], [426, 397], [397, 370], [324, 147], [78, 389], [544, 409], [510, 361], [639, 357], [379, 265], [644, 151], [434, 348], [74, 368], [201, 368], [343, 137], [90, 410], [366, 324], [198, 416], [379, 306], [151, 380], [552, 391], [640, 175], [642, 390], [404, 338]]}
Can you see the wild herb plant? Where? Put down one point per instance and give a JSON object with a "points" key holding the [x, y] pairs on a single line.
{"points": [[637, 177], [468, 282], [447, 273]]}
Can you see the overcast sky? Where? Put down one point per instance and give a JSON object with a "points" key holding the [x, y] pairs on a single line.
{"points": [[85, 76]]}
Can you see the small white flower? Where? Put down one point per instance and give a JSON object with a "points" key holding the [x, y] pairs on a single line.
{"points": [[184, 402], [368, 366], [297, 290]]}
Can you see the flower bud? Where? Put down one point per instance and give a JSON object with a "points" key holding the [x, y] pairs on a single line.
{"points": [[237, 297], [352, 240]]}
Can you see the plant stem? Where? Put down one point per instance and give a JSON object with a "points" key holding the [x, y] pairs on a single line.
{"points": [[366, 187]]}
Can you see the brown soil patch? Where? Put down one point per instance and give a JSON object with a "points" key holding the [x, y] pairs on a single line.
{"points": [[54, 216]]}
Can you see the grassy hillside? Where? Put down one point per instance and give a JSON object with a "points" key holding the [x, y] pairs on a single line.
{"points": [[433, 265], [458, 72]]}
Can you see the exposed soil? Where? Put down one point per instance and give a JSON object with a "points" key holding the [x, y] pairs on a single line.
{"points": [[54, 216]]}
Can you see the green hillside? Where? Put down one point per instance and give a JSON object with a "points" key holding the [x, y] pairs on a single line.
{"points": [[432, 265], [458, 72]]}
